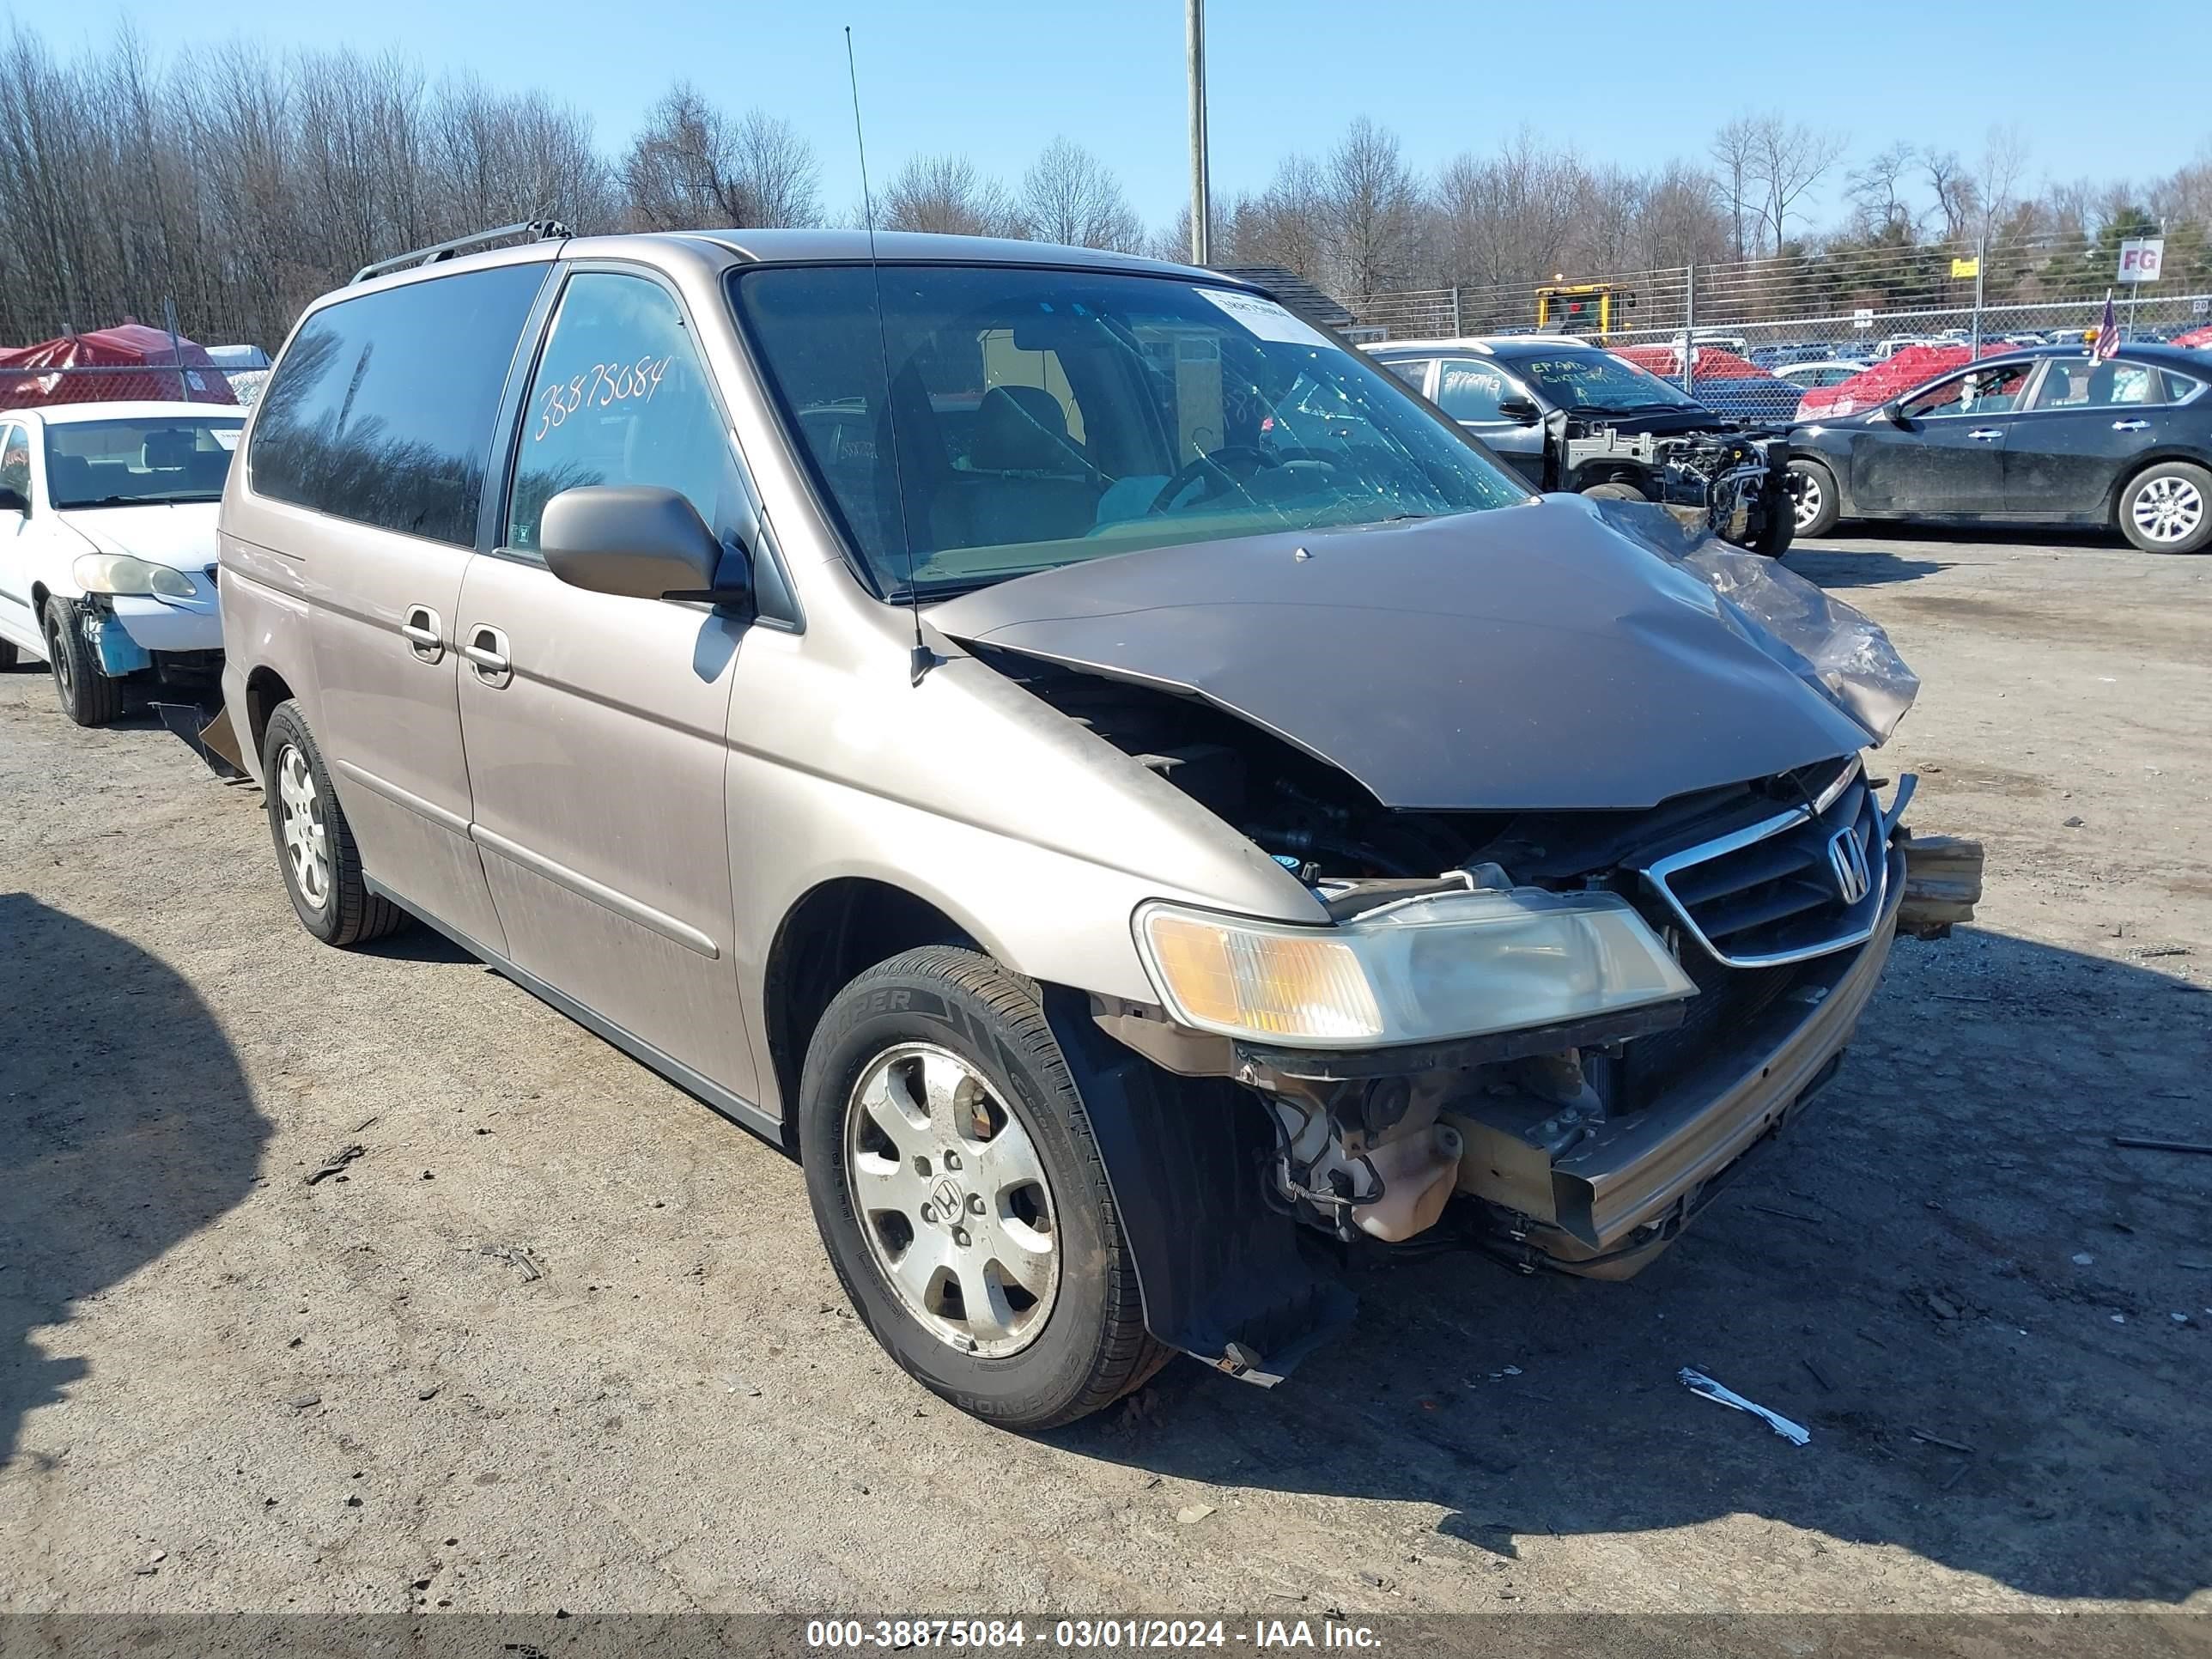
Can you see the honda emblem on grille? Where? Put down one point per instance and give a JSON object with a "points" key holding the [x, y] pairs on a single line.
{"points": [[1847, 862]]}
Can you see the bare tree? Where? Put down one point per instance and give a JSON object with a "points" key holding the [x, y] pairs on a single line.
{"points": [[1953, 187], [1068, 195], [1787, 160], [1877, 194], [1373, 207], [1287, 224], [1735, 151], [1997, 175], [947, 193], [693, 164]]}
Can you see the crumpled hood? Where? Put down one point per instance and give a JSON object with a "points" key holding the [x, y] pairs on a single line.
{"points": [[1524, 659], [181, 537]]}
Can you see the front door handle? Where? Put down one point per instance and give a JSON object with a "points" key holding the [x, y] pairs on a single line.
{"points": [[424, 634], [1986, 435], [486, 650], [2130, 426]]}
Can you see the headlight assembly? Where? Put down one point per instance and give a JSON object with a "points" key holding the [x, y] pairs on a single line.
{"points": [[1425, 970], [121, 574]]}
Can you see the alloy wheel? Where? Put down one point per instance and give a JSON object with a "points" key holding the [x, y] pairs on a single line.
{"points": [[307, 839], [952, 1199], [1806, 499], [2167, 509]]}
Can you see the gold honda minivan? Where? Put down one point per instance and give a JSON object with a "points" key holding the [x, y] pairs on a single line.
{"points": [[1142, 805]]}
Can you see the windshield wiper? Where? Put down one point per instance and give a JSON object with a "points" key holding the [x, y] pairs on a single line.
{"points": [[140, 500]]}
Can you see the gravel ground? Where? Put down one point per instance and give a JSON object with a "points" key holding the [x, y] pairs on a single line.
{"points": [[563, 1338]]}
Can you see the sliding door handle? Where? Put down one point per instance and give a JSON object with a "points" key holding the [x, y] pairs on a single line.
{"points": [[486, 650]]}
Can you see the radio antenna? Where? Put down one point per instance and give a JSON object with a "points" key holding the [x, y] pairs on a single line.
{"points": [[924, 658]]}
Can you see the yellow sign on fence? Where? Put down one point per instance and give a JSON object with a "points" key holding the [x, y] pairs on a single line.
{"points": [[1966, 267]]}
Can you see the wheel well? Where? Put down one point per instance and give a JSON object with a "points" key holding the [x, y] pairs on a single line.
{"points": [[1612, 473], [264, 691], [2144, 465], [38, 596], [835, 933]]}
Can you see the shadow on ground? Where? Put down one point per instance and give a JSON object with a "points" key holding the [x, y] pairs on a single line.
{"points": [[1905, 1260], [126, 1126], [1833, 569]]}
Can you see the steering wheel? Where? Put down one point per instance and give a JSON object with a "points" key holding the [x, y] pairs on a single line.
{"points": [[1214, 467]]}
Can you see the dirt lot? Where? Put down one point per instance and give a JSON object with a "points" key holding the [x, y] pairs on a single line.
{"points": [[221, 1388]]}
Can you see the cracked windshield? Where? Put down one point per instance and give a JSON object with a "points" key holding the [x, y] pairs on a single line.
{"points": [[1031, 418]]}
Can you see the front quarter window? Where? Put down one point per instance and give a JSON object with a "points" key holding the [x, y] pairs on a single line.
{"points": [[1035, 417]]}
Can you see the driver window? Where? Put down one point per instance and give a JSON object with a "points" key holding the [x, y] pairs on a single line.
{"points": [[621, 397], [16, 459], [1471, 390], [1979, 391]]}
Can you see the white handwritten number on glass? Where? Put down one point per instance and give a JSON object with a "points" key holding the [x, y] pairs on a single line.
{"points": [[600, 386]]}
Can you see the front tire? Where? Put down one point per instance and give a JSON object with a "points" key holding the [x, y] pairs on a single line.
{"points": [[314, 845], [86, 694], [961, 1196], [1815, 506], [2167, 508], [1613, 489]]}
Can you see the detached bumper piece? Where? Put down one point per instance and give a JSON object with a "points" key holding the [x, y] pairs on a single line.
{"points": [[1602, 1198]]}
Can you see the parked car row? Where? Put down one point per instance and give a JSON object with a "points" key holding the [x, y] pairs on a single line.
{"points": [[992, 720], [2045, 436], [107, 550]]}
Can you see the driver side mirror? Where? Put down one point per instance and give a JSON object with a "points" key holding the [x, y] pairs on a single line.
{"points": [[1895, 414], [13, 500], [1520, 412], [638, 542]]}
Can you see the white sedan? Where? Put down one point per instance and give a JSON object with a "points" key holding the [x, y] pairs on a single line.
{"points": [[108, 550]]}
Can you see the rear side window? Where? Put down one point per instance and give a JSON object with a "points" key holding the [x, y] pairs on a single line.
{"points": [[382, 410]]}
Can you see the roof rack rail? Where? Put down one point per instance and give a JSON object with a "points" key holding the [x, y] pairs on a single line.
{"points": [[538, 229]]}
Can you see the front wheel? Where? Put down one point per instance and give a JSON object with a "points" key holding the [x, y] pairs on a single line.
{"points": [[1814, 505], [961, 1196], [86, 694], [1614, 489], [2167, 508]]}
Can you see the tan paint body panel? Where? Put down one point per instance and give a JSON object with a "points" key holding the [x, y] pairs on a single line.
{"points": [[632, 817]]}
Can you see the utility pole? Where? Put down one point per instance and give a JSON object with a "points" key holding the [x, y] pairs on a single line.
{"points": [[1981, 264], [1200, 206]]}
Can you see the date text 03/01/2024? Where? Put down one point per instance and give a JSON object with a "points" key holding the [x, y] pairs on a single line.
{"points": [[1081, 1635]]}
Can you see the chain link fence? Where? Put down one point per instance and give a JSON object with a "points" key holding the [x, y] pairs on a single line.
{"points": [[1768, 330]]}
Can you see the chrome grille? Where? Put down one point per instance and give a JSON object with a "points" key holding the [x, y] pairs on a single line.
{"points": [[1797, 884]]}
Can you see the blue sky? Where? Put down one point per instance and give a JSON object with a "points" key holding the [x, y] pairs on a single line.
{"points": [[999, 78]]}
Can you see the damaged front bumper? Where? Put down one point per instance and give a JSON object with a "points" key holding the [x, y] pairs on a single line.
{"points": [[1585, 1148], [1602, 1198]]}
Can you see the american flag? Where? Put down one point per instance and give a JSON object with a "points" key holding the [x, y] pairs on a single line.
{"points": [[2107, 345]]}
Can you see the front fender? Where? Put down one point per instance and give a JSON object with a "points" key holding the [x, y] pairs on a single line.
{"points": [[1224, 1277]]}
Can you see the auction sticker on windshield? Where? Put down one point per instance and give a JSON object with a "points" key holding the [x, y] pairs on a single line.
{"points": [[1264, 318]]}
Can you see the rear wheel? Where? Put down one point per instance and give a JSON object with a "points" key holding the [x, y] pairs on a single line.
{"points": [[2167, 508], [87, 694], [1815, 507], [961, 1195], [314, 846]]}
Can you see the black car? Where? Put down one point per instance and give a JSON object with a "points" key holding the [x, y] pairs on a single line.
{"points": [[2046, 435]]}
